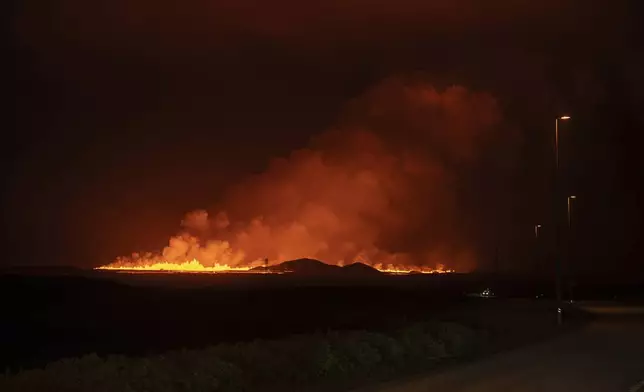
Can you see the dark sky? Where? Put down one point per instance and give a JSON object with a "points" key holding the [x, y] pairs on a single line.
{"points": [[130, 113]]}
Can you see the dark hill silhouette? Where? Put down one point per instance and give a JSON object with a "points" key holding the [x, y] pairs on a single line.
{"points": [[360, 269], [317, 267], [303, 266]]}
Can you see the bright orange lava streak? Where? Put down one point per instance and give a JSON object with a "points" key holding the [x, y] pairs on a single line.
{"points": [[399, 270], [188, 266], [194, 266]]}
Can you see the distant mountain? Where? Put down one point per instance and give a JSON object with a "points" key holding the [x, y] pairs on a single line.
{"points": [[360, 269], [302, 266], [317, 267]]}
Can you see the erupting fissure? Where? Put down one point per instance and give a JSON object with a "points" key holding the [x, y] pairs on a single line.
{"points": [[387, 186], [185, 253], [194, 266], [188, 266]]}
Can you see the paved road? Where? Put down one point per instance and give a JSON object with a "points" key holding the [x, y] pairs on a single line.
{"points": [[605, 356]]}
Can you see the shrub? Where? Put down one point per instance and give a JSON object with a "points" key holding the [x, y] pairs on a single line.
{"points": [[420, 344], [457, 339], [297, 362]]}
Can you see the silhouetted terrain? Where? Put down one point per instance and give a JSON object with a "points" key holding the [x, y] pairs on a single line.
{"points": [[64, 313], [360, 269], [302, 266], [57, 316], [319, 268]]}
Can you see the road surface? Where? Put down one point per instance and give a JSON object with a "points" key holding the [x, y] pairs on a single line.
{"points": [[604, 356]]}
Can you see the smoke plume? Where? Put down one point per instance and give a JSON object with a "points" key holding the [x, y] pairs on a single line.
{"points": [[381, 187]]}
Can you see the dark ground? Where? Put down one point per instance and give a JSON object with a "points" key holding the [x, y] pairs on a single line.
{"points": [[49, 315], [606, 355]]}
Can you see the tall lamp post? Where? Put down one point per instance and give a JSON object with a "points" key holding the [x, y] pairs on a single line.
{"points": [[562, 118], [570, 199], [570, 247], [558, 267], [538, 257]]}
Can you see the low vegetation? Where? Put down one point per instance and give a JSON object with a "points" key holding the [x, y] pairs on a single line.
{"points": [[333, 360]]}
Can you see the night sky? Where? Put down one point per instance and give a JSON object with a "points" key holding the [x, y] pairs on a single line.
{"points": [[131, 113]]}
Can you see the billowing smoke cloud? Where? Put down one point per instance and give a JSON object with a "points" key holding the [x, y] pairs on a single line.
{"points": [[381, 187], [196, 221]]}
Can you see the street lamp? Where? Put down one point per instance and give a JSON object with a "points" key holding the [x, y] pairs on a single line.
{"points": [[570, 199], [557, 228], [538, 256], [562, 118], [570, 246]]}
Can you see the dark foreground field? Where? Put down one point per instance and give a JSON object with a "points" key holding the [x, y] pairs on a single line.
{"points": [[603, 355], [51, 316]]}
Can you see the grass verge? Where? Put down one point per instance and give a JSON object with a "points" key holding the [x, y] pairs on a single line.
{"points": [[305, 362]]}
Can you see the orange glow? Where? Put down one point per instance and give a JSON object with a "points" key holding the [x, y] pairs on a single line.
{"points": [[362, 191], [188, 266], [564, 118], [406, 269], [413, 269], [194, 266]]}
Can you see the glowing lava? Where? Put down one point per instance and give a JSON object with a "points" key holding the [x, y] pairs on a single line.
{"points": [[413, 270], [189, 266], [194, 266]]}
